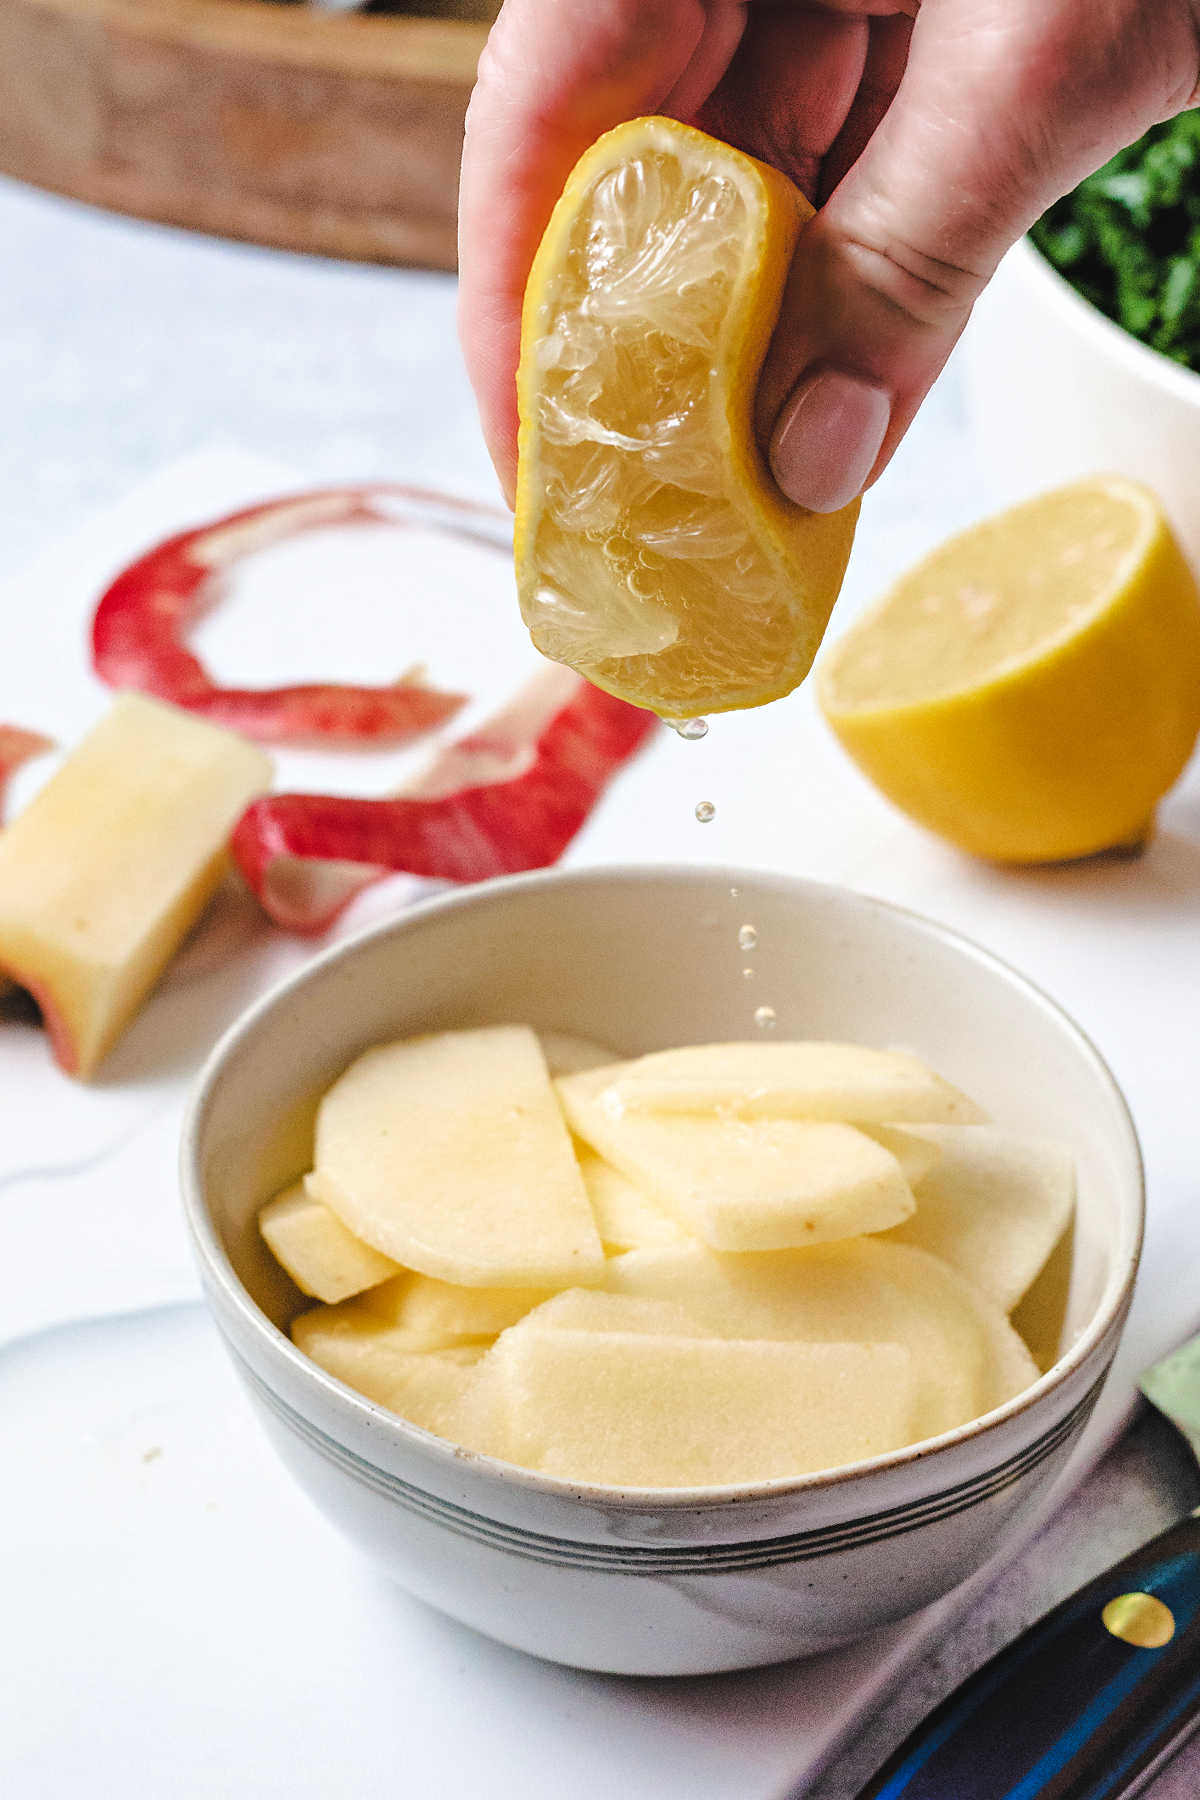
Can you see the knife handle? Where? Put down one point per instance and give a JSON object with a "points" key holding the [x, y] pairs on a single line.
{"points": [[1086, 1704]]}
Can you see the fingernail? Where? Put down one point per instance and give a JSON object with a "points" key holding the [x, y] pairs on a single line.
{"points": [[827, 438]]}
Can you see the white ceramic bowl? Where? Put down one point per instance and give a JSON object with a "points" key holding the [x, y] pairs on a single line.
{"points": [[1057, 390], [659, 1581]]}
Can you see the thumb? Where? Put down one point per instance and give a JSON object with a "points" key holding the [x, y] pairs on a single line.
{"points": [[1004, 105]]}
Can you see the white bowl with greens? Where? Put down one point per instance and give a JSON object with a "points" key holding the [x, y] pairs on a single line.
{"points": [[1084, 353]]}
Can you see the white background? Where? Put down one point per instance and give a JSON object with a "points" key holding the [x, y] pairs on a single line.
{"points": [[175, 1618]]}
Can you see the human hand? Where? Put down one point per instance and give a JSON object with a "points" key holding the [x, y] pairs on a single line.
{"points": [[931, 135]]}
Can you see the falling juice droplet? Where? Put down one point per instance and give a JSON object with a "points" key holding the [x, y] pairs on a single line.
{"points": [[747, 974], [735, 893], [706, 812], [764, 1018], [690, 729], [747, 938]]}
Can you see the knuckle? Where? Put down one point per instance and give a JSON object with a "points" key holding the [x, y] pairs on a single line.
{"points": [[926, 289]]}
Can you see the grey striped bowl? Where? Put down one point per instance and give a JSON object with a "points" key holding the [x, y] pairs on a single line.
{"points": [[659, 1581]]}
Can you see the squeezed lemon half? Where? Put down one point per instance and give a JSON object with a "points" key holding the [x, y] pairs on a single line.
{"points": [[654, 553], [1032, 689]]}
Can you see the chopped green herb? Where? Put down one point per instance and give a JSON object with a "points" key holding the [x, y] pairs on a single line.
{"points": [[1129, 238]]}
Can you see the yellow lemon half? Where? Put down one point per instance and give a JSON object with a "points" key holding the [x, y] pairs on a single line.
{"points": [[654, 553], [1031, 689]]}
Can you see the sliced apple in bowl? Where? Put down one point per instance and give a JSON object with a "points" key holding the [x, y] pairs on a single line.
{"points": [[681, 1270]]}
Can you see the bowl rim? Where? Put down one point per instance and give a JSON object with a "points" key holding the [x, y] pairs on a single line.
{"points": [[277, 1348], [1109, 337]]}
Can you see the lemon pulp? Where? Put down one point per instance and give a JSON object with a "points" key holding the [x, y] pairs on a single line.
{"points": [[653, 552], [985, 602], [1031, 689]]}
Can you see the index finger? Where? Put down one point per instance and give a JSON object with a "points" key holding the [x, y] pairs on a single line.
{"points": [[552, 78]]}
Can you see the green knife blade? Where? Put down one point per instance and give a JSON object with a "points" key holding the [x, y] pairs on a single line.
{"points": [[1093, 1698], [1173, 1386]]}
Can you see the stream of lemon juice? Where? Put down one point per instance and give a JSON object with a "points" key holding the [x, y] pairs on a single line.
{"points": [[692, 731]]}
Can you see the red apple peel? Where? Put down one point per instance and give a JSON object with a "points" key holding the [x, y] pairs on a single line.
{"points": [[139, 626], [509, 797]]}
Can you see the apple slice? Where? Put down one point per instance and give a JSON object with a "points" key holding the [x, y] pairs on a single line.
{"points": [[850, 1083], [744, 1184], [944, 1294], [916, 1153], [835, 1293], [410, 1314], [449, 1154], [482, 1421], [631, 1408], [966, 1356], [627, 1218], [17, 746], [994, 1206], [324, 1260], [438, 1315], [595, 1309], [425, 1386], [112, 863]]}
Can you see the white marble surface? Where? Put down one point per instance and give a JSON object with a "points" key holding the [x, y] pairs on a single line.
{"points": [[123, 347]]}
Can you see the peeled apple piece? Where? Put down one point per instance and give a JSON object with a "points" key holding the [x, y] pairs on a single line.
{"points": [[915, 1154], [370, 1317], [967, 1357], [482, 1422], [679, 1361], [944, 1293], [424, 1386], [324, 1260], [745, 1184], [994, 1206], [17, 746], [594, 1309], [862, 1289], [440, 1315], [112, 863], [851, 1083], [671, 1410], [449, 1154], [409, 1314], [627, 1218]]}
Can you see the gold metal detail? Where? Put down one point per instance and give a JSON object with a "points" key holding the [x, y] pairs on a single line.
{"points": [[1139, 1619]]}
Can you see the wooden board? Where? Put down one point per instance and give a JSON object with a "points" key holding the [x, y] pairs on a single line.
{"points": [[333, 133]]}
